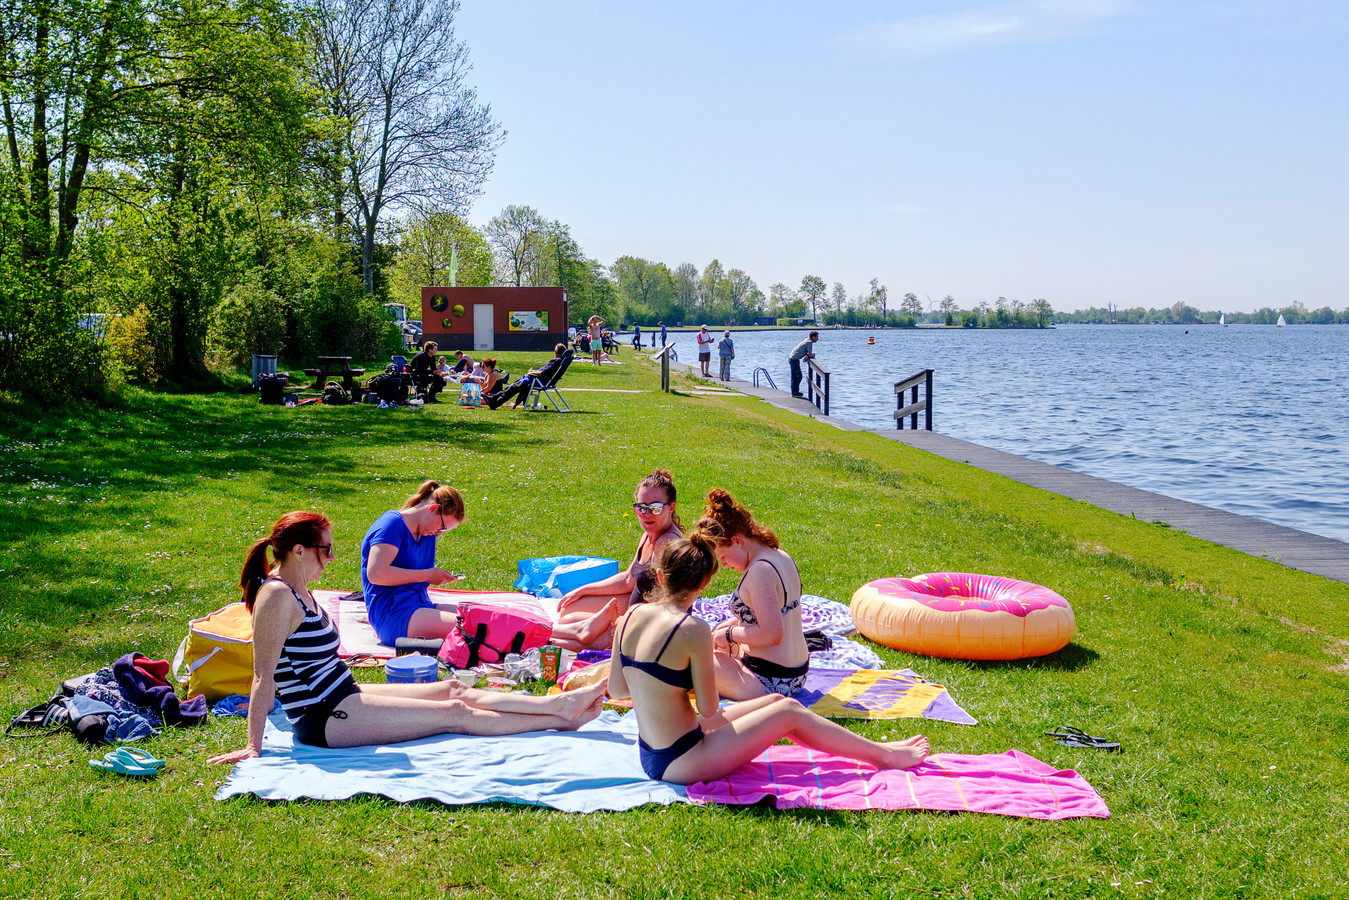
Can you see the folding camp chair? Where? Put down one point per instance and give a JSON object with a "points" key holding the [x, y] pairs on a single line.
{"points": [[541, 390]]}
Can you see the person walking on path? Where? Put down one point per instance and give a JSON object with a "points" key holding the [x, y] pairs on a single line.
{"points": [[803, 350], [705, 351], [726, 350], [636, 336]]}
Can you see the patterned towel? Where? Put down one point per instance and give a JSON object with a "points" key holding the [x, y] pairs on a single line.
{"points": [[1005, 784], [878, 694], [817, 614]]}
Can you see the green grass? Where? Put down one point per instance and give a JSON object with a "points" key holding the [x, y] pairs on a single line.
{"points": [[1222, 674]]}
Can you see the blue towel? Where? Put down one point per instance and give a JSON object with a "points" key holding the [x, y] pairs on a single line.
{"points": [[594, 768]]}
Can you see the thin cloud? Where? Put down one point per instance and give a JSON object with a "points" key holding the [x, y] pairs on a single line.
{"points": [[903, 209], [1036, 20]]}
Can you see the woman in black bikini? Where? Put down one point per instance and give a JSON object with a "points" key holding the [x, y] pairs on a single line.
{"points": [[654, 504], [295, 659], [661, 653], [763, 649]]}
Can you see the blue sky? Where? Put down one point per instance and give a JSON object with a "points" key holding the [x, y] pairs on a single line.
{"points": [[1083, 151]]}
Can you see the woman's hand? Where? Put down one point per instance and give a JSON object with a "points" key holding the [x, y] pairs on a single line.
{"points": [[721, 640], [438, 575], [235, 756]]}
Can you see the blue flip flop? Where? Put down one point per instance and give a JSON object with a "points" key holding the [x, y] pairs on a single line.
{"points": [[134, 756], [123, 765]]}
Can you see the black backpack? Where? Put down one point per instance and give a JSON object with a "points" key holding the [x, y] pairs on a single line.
{"points": [[271, 388], [335, 394]]}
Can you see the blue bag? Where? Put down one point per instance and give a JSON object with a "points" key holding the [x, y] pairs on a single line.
{"points": [[556, 575]]}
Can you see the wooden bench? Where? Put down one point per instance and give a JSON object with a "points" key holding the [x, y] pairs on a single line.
{"points": [[332, 366]]}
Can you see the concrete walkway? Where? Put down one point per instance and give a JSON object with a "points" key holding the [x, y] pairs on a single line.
{"points": [[1288, 546]]}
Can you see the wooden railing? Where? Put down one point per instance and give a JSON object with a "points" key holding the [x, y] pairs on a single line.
{"points": [[817, 385], [924, 380]]}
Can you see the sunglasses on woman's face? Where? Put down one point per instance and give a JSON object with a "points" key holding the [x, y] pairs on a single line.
{"points": [[653, 509]]}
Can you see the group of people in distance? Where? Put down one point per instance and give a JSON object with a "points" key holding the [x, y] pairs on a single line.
{"points": [[661, 651], [428, 368]]}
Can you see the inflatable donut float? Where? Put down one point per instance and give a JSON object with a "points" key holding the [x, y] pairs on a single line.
{"points": [[963, 616]]}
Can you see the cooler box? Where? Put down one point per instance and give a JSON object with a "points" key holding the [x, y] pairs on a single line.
{"points": [[412, 669]]}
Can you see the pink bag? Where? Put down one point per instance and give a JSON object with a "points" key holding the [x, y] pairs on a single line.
{"points": [[486, 633]]}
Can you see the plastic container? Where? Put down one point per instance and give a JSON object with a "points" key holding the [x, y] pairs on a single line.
{"points": [[412, 669]]}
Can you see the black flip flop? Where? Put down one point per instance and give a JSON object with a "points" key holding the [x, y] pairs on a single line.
{"points": [[1068, 736]]}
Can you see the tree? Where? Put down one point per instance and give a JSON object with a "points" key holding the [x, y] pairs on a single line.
{"points": [[645, 287], [425, 250], [948, 308], [710, 287], [839, 297], [911, 305], [415, 137], [740, 291], [876, 297], [813, 293], [517, 234], [686, 288], [1042, 311]]}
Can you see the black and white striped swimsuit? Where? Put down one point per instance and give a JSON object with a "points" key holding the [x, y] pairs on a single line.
{"points": [[309, 671]]}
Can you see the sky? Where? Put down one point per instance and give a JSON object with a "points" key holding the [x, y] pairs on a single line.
{"points": [[1087, 152]]}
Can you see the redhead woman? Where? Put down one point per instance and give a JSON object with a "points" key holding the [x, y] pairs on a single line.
{"points": [[654, 504], [763, 649], [661, 652], [398, 566], [295, 659]]}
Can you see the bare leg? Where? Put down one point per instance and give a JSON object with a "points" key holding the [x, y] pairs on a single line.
{"points": [[432, 622], [386, 717], [569, 704], [587, 631], [734, 681], [771, 718]]}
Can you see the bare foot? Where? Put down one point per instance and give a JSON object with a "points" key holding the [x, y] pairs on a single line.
{"points": [[907, 753], [588, 631], [582, 704]]}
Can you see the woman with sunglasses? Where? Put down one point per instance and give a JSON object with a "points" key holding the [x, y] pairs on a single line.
{"points": [[762, 650], [654, 504], [295, 660], [398, 566]]}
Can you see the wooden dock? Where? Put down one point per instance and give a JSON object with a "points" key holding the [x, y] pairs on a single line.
{"points": [[1295, 549]]}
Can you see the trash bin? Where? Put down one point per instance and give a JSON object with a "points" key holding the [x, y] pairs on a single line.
{"points": [[263, 364]]}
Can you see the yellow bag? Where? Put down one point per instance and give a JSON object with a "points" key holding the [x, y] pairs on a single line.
{"points": [[218, 652]]}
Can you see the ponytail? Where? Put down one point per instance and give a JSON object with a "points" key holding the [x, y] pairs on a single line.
{"points": [[447, 500], [724, 519], [685, 565]]}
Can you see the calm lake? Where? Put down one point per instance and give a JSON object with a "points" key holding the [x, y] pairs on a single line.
{"points": [[1251, 419]]}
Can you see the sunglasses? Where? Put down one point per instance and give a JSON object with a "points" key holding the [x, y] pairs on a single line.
{"points": [[654, 509], [326, 548]]}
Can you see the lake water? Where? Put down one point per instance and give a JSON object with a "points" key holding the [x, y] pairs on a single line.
{"points": [[1251, 419]]}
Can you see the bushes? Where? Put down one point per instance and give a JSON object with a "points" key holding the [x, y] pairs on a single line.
{"points": [[249, 319], [131, 349]]}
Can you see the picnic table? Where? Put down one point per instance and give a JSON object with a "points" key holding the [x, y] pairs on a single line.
{"points": [[334, 365]]}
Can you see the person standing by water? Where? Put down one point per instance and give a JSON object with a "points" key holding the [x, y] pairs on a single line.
{"points": [[704, 339], [726, 351], [595, 328], [803, 350], [636, 336], [662, 333]]}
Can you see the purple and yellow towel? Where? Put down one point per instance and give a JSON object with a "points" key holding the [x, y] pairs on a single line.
{"points": [[1004, 784], [879, 694]]}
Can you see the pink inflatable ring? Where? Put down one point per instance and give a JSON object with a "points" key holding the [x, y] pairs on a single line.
{"points": [[963, 616]]}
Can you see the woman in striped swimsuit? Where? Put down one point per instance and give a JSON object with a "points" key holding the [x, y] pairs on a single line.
{"points": [[295, 658]]}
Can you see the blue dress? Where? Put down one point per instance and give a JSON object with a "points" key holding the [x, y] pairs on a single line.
{"points": [[390, 607]]}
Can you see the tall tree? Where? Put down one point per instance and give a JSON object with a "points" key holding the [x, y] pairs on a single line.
{"points": [[518, 235], [813, 292], [839, 297], [426, 248], [740, 293], [685, 278], [710, 287], [876, 297], [415, 138], [911, 305]]}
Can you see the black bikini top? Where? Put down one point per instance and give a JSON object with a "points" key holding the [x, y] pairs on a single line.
{"points": [[680, 678], [742, 611]]}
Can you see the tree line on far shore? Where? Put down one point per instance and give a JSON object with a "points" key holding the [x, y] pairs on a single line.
{"points": [[1181, 313]]}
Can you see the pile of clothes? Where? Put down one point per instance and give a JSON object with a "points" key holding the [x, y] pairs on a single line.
{"points": [[129, 700]]}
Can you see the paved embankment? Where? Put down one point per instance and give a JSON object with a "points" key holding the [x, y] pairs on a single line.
{"points": [[1288, 546]]}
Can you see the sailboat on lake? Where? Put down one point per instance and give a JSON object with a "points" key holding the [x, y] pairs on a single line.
{"points": [[1222, 319], [1281, 322]]}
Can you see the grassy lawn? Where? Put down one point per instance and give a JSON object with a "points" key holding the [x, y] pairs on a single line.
{"points": [[1223, 675]]}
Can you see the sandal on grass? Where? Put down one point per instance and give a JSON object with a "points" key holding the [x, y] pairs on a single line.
{"points": [[1069, 736], [138, 757], [114, 761]]}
